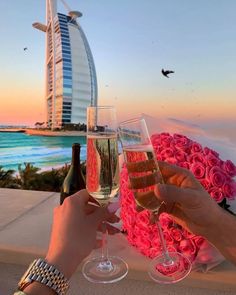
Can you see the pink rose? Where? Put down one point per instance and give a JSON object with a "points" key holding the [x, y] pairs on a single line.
{"points": [[229, 190], [188, 248], [171, 160], [142, 242], [166, 141], [229, 168], [206, 184], [169, 240], [180, 156], [176, 234], [184, 165], [187, 234], [165, 220], [171, 248], [216, 177], [154, 252], [142, 220], [155, 140], [163, 140], [198, 170], [156, 243], [212, 160], [208, 151], [216, 194], [167, 153], [128, 220], [196, 158], [181, 142], [198, 240], [196, 147]]}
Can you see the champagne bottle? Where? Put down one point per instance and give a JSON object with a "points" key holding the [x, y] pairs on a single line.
{"points": [[74, 180]]}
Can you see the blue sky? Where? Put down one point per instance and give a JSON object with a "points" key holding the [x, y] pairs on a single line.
{"points": [[131, 42]]}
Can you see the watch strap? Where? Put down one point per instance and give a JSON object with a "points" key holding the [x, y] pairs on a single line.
{"points": [[47, 274]]}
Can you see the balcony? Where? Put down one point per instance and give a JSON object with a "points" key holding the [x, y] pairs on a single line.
{"points": [[25, 223]]}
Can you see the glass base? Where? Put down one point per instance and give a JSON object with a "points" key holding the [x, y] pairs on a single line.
{"points": [[172, 271], [111, 271]]}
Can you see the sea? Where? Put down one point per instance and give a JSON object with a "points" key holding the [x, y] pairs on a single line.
{"points": [[44, 152]]}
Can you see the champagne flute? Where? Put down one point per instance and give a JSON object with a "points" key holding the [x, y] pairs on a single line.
{"points": [[144, 174], [102, 183]]}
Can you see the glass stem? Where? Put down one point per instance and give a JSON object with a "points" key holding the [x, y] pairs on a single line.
{"points": [[104, 242], [105, 265], [165, 252]]}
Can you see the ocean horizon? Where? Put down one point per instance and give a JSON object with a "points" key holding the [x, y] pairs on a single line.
{"points": [[46, 152]]}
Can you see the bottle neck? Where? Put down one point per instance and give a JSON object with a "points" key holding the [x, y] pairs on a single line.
{"points": [[75, 156]]}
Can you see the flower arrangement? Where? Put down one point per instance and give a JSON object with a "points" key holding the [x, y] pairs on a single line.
{"points": [[216, 176]]}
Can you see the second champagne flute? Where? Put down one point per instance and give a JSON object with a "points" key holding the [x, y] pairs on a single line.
{"points": [[102, 183], [144, 175]]}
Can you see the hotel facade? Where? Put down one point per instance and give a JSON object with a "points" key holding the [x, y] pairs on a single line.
{"points": [[71, 82]]}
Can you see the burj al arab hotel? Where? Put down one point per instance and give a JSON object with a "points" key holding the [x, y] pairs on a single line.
{"points": [[71, 82]]}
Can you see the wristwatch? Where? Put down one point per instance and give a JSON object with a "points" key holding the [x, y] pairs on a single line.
{"points": [[44, 273]]}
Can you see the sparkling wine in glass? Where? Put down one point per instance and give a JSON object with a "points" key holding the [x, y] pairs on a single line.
{"points": [[144, 175], [102, 183]]}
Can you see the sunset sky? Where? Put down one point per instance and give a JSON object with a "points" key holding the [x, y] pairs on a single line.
{"points": [[131, 41]]}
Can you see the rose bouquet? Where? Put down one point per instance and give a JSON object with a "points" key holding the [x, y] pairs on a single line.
{"points": [[216, 176]]}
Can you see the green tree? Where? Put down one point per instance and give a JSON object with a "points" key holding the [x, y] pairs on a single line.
{"points": [[7, 179], [28, 176]]}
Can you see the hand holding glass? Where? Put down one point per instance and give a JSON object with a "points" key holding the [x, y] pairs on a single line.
{"points": [[144, 174], [102, 183]]}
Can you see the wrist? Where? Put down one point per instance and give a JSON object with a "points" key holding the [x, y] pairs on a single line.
{"points": [[36, 288], [221, 233], [63, 264]]}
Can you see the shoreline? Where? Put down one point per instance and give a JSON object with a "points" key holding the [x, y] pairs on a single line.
{"points": [[38, 132]]}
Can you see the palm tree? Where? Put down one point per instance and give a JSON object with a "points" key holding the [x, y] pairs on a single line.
{"points": [[7, 178], [28, 176]]}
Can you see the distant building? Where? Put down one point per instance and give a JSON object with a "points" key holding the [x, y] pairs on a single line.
{"points": [[71, 82]]}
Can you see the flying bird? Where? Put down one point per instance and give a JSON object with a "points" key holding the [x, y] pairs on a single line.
{"points": [[25, 48], [166, 73]]}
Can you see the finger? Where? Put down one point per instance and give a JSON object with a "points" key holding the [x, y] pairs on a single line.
{"points": [[141, 166], [168, 170], [172, 194], [166, 208], [144, 181], [83, 198], [90, 208]]}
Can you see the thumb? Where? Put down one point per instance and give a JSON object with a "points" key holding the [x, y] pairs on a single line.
{"points": [[171, 194]]}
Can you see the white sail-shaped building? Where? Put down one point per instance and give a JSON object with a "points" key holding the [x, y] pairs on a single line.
{"points": [[71, 82]]}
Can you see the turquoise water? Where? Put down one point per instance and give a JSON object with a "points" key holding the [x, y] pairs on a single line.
{"points": [[42, 151]]}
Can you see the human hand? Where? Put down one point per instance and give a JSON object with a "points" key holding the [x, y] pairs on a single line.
{"points": [[186, 200], [74, 229]]}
